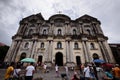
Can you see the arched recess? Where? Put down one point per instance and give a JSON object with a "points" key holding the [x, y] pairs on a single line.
{"points": [[23, 55], [59, 45], [78, 60], [26, 45], [76, 45], [59, 32], [40, 58], [88, 31], [74, 32], [30, 32], [92, 46], [95, 56], [44, 32], [59, 59]]}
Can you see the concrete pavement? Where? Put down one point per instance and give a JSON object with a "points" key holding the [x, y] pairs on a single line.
{"points": [[51, 75]]}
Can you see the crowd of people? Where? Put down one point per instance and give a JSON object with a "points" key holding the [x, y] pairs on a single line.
{"points": [[14, 70], [86, 72]]}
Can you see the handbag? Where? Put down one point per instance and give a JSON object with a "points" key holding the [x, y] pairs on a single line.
{"points": [[16, 77]]}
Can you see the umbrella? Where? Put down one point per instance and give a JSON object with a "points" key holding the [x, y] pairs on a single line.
{"points": [[108, 65], [27, 60], [98, 61]]}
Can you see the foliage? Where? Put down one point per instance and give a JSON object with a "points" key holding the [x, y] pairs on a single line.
{"points": [[3, 52]]}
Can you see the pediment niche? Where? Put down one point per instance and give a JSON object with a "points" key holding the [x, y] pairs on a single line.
{"points": [[45, 25], [59, 22], [59, 17], [32, 25], [33, 21], [87, 19]]}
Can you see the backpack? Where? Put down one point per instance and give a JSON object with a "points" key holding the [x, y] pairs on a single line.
{"points": [[91, 72]]}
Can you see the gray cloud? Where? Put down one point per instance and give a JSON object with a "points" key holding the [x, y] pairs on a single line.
{"points": [[12, 11]]}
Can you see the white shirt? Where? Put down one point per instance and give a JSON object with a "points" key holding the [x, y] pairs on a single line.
{"points": [[87, 72], [56, 68], [45, 66], [29, 70], [66, 68], [16, 72]]}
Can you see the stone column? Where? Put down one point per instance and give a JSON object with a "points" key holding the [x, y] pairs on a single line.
{"points": [[16, 51], [112, 60], [95, 29], [33, 49], [103, 51], [50, 30], [20, 28], [80, 28], [66, 29], [51, 50], [69, 50], [83, 30], [24, 29], [67, 54], [99, 29], [47, 52], [12, 52], [106, 52], [88, 52], [85, 51]]}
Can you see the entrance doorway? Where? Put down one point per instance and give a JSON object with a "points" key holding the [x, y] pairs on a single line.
{"points": [[59, 59], [23, 55], [95, 56], [78, 60], [40, 59]]}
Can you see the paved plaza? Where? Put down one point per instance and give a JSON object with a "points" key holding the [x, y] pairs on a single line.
{"points": [[51, 75]]}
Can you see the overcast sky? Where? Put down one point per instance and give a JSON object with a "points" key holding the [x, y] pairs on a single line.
{"points": [[12, 11]]}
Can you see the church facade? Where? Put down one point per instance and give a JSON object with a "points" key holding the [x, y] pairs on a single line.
{"points": [[60, 40]]}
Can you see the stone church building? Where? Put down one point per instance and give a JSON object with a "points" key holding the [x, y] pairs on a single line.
{"points": [[60, 40]]}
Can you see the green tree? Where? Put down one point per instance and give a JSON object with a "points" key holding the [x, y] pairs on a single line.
{"points": [[3, 52]]}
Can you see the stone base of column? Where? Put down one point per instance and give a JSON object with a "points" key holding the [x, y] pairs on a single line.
{"points": [[48, 63]]}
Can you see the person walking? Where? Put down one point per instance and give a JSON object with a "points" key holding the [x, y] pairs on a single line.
{"points": [[116, 72], [66, 69], [109, 75], [88, 74], [29, 72], [45, 68], [16, 74], [9, 71], [56, 69], [75, 77]]}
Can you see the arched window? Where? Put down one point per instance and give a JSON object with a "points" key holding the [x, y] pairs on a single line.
{"points": [[30, 32], [42, 45], [59, 32], [26, 45], [76, 45], [95, 56], [59, 45], [88, 31], [74, 32], [44, 32], [92, 46]]}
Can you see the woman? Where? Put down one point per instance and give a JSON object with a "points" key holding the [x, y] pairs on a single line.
{"points": [[108, 76], [16, 73]]}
